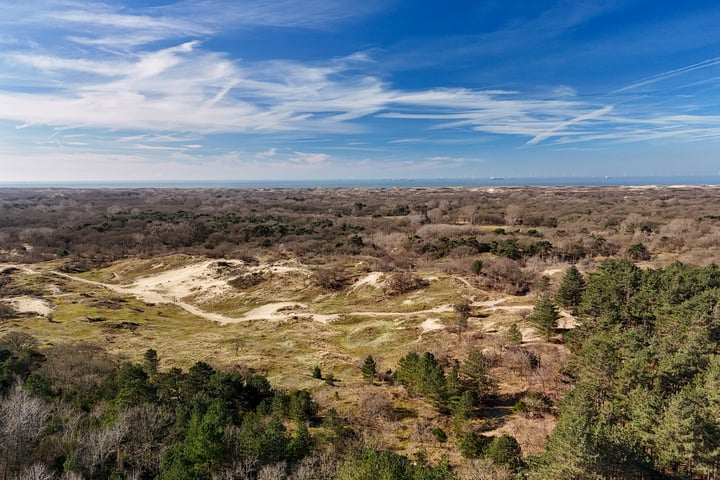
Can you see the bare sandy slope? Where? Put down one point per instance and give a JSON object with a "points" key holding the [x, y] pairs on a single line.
{"points": [[202, 281], [190, 285], [372, 279], [201, 278], [27, 304]]}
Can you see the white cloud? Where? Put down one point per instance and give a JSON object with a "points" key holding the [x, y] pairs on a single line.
{"points": [[181, 93], [309, 158], [271, 152]]}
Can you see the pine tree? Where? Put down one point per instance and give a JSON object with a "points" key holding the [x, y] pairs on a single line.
{"points": [[514, 334], [505, 450], [684, 435], [474, 371], [571, 288], [463, 409], [462, 314], [369, 369], [151, 362], [544, 316], [300, 443]]}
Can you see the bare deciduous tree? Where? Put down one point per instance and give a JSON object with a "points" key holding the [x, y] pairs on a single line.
{"points": [[275, 471], [22, 419], [484, 469], [103, 444], [36, 471], [17, 341], [321, 466]]}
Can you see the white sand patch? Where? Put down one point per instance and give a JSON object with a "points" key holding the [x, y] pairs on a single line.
{"points": [[513, 308], [491, 303], [372, 279], [431, 324], [31, 305], [180, 283], [567, 321], [273, 311], [495, 305], [325, 318], [552, 271], [284, 266], [529, 334]]}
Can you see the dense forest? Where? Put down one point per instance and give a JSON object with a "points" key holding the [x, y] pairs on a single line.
{"points": [[638, 398]]}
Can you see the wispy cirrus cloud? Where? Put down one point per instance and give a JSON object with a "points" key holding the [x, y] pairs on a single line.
{"points": [[311, 14], [190, 89], [115, 27], [710, 62], [154, 80]]}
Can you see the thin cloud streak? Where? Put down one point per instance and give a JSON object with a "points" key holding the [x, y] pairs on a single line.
{"points": [[556, 131], [669, 74]]}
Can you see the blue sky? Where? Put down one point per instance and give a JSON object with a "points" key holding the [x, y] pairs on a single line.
{"points": [[341, 89]]}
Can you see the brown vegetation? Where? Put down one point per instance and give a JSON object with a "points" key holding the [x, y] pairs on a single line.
{"points": [[382, 279]]}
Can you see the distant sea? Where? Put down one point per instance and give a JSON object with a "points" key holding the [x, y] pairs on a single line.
{"points": [[386, 183]]}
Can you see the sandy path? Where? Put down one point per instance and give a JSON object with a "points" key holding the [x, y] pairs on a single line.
{"points": [[495, 305], [272, 311], [23, 268], [492, 303]]}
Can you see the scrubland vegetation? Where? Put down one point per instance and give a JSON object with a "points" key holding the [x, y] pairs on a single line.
{"points": [[360, 334]]}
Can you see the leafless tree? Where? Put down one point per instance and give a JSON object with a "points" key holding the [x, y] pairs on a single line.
{"points": [[321, 466], [275, 471], [376, 406], [36, 471], [147, 425], [22, 419], [70, 475], [242, 469], [17, 341], [484, 469], [103, 444]]}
